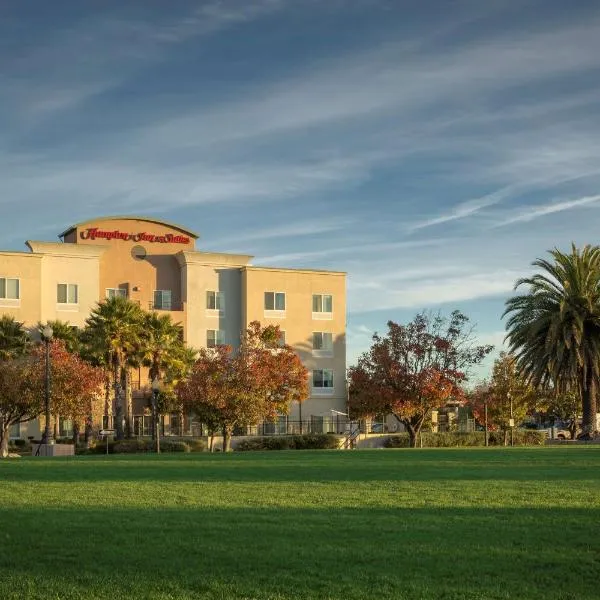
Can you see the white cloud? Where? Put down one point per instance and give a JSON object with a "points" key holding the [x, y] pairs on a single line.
{"points": [[526, 214]]}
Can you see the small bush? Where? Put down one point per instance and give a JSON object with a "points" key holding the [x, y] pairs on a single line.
{"points": [[321, 441], [522, 437], [171, 446], [22, 444], [134, 446]]}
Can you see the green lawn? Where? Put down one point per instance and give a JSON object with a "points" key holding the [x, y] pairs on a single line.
{"points": [[428, 524]]}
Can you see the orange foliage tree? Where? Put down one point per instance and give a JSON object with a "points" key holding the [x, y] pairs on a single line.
{"points": [[241, 386], [413, 369], [75, 383]]}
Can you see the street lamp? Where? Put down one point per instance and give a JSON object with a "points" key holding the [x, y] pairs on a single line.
{"points": [[156, 418], [47, 335]]}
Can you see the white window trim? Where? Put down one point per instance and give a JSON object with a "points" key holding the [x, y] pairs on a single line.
{"points": [[67, 306], [274, 313], [322, 391], [11, 302], [125, 295], [322, 316], [323, 353], [154, 307], [220, 333], [216, 312]]}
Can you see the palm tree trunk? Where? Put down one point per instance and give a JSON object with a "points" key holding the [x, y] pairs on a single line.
{"points": [[589, 408], [128, 403], [118, 410]]}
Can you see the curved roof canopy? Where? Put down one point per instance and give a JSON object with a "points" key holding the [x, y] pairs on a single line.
{"points": [[130, 218]]}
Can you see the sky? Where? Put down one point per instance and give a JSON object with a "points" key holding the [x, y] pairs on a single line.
{"points": [[432, 149]]}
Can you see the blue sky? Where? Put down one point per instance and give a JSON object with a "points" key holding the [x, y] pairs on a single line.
{"points": [[430, 149]]}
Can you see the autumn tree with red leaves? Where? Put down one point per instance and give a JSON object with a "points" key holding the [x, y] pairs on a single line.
{"points": [[76, 385], [414, 368], [242, 386]]}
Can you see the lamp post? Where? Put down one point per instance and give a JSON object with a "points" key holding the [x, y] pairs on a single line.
{"points": [[155, 415], [47, 335]]}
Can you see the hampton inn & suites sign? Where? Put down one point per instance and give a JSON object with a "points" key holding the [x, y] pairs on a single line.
{"points": [[93, 233]]}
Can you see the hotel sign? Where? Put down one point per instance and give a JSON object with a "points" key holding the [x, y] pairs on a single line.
{"points": [[94, 233]]}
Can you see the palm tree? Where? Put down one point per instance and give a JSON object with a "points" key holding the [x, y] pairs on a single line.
{"points": [[63, 330], [165, 353], [554, 328], [14, 340], [114, 330]]}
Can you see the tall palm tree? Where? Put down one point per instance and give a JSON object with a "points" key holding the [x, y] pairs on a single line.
{"points": [[114, 329], [166, 356], [14, 340], [554, 328]]}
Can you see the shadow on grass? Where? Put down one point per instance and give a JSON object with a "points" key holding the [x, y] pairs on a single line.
{"points": [[298, 553]]}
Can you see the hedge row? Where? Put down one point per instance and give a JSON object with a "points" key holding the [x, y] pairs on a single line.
{"points": [[140, 446], [290, 442], [522, 437]]}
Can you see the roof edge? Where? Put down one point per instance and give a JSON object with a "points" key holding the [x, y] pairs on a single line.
{"points": [[189, 232]]}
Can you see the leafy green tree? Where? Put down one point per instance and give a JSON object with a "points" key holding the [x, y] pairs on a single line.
{"points": [[565, 407], [554, 328], [14, 339], [114, 331], [64, 331], [508, 395]]}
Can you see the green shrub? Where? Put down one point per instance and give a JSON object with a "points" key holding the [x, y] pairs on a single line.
{"points": [[173, 446], [321, 441], [134, 446], [22, 444], [447, 439]]}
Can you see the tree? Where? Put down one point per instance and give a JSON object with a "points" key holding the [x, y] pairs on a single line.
{"points": [[63, 330], [75, 384], [21, 395], [554, 328], [114, 331], [14, 340], [508, 396], [239, 387], [413, 369], [565, 407]]}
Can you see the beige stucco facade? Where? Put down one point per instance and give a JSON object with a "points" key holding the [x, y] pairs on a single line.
{"points": [[156, 264]]}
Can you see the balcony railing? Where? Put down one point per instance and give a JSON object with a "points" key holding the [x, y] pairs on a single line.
{"points": [[170, 306]]}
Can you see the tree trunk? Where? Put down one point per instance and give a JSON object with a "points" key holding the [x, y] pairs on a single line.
{"points": [[227, 438], [128, 402], [506, 437], [88, 432], [56, 427], [76, 431], [118, 410], [4, 432], [589, 408], [412, 434], [211, 442]]}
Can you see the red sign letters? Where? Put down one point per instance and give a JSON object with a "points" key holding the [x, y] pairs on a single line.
{"points": [[93, 233]]}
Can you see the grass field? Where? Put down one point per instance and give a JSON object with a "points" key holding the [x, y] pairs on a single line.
{"points": [[419, 524]]}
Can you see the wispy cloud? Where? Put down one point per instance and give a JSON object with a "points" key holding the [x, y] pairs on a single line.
{"points": [[463, 209], [526, 214]]}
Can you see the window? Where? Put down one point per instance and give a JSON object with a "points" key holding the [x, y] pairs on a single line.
{"points": [[281, 340], [214, 337], [162, 300], [9, 289], [322, 303], [215, 301], [114, 292], [67, 293], [274, 301], [322, 343], [323, 379]]}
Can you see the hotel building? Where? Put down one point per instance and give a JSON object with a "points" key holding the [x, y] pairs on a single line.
{"points": [[214, 296]]}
